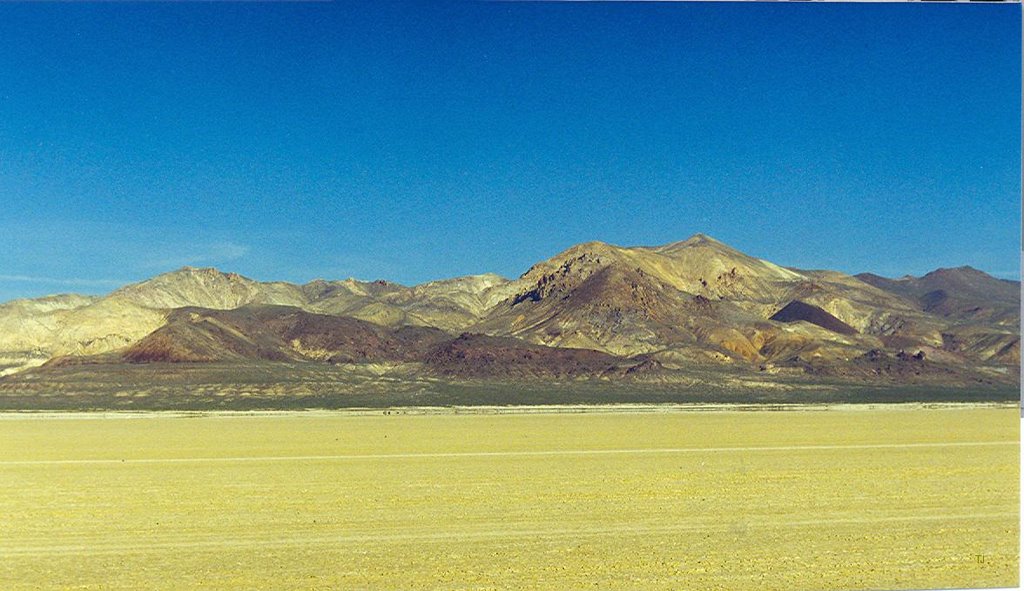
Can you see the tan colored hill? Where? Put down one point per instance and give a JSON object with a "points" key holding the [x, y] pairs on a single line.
{"points": [[32, 331], [629, 301], [696, 301], [37, 330], [87, 326], [699, 299], [450, 304], [27, 328], [207, 288]]}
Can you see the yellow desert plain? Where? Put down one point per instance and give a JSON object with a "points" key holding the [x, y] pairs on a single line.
{"points": [[843, 498]]}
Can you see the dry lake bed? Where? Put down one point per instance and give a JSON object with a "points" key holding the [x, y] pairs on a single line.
{"points": [[843, 498]]}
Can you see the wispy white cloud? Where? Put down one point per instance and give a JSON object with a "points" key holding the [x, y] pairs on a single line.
{"points": [[64, 281]]}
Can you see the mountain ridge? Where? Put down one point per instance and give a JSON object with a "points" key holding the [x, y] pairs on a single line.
{"points": [[695, 301]]}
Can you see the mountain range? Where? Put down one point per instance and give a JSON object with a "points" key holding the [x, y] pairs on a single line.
{"points": [[594, 311]]}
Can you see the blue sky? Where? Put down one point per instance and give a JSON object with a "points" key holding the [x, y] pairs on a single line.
{"points": [[418, 141]]}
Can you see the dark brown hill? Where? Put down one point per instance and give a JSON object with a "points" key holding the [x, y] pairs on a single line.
{"points": [[282, 333], [278, 333], [797, 310]]}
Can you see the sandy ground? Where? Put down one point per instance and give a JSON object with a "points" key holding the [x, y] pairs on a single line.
{"points": [[846, 497]]}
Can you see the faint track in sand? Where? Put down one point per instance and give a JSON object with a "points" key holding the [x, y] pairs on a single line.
{"points": [[522, 453], [200, 543]]}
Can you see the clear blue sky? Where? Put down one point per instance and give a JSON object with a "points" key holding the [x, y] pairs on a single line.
{"points": [[417, 141]]}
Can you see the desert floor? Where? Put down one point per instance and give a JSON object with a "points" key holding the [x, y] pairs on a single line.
{"points": [[837, 498]]}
